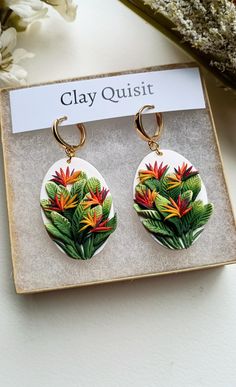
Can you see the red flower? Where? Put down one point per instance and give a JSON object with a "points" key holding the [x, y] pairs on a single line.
{"points": [[152, 172], [96, 223], [178, 209], [65, 178], [95, 198], [184, 172], [145, 198], [62, 203], [181, 174]]}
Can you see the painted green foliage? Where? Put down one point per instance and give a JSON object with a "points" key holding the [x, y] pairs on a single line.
{"points": [[168, 206], [78, 210]]}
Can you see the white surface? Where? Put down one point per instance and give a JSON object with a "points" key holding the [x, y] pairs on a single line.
{"points": [[175, 331], [109, 97]]}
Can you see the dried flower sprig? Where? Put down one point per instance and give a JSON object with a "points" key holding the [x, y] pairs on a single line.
{"points": [[206, 29], [16, 16]]}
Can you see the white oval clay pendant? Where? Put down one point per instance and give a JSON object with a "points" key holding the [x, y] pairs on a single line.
{"points": [[77, 208], [171, 199]]}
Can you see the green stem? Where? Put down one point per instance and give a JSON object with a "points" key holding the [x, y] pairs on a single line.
{"points": [[163, 241], [80, 250], [185, 241]]}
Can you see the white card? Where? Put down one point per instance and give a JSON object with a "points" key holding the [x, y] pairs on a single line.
{"points": [[86, 100]]}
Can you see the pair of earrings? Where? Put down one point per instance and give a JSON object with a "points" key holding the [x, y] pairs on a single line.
{"points": [[169, 197]]}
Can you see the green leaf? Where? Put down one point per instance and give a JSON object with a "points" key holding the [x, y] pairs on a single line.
{"points": [[177, 224], [160, 201], [174, 221], [179, 242], [186, 223], [61, 190], [86, 196], [55, 233], [163, 187], [51, 189], [68, 214], [198, 216], [88, 246], [176, 242], [61, 223], [68, 249], [106, 207], [77, 217], [82, 176], [101, 237], [166, 192], [137, 207], [187, 195], [174, 192], [97, 209], [173, 243], [78, 189], [185, 240], [197, 208], [93, 184], [153, 184], [152, 214], [163, 241], [80, 249], [203, 216], [192, 184], [45, 203], [112, 222], [157, 227], [197, 233]]}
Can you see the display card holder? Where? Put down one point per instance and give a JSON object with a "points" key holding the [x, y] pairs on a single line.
{"points": [[114, 148]]}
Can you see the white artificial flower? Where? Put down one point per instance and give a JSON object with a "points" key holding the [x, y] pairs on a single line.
{"points": [[66, 8], [27, 10], [11, 74]]}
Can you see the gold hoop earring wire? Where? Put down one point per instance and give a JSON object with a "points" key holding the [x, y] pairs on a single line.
{"points": [[69, 149], [151, 140]]}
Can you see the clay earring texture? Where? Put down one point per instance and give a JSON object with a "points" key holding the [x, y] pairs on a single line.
{"points": [[169, 194], [76, 204]]}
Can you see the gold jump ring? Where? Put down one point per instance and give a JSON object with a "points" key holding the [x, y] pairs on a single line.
{"points": [[151, 140], [69, 149]]}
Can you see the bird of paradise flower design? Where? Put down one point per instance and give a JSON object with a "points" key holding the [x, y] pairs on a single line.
{"points": [[180, 174], [178, 209], [65, 178], [145, 197], [154, 171], [78, 210], [168, 204]]}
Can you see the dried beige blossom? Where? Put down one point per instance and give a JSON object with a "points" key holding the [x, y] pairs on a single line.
{"points": [[208, 26]]}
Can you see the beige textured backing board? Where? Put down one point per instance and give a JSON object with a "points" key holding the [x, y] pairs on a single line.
{"points": [[114, 148]]}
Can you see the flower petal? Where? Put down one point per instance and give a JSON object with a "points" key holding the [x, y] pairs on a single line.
{"points": [[8, 41], [20, 54]]}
